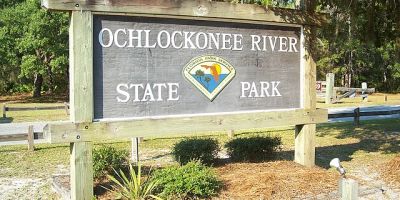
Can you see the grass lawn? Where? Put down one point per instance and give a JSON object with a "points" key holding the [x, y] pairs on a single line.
{"points": [[24, 100], [372, 144]]}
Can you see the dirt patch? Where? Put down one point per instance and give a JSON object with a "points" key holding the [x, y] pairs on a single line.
{"points": [[275, 180], [391, 171], [20, 188]]}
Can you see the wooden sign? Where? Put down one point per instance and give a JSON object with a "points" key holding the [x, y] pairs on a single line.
{"points": [[146, 67], [158, 68]]}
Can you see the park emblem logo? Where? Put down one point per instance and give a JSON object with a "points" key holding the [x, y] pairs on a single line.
{"points": [[209, 74]]}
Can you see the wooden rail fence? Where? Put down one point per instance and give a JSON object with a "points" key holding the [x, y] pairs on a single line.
{"points": [[8, 108], [357, 114], [30, 136]]}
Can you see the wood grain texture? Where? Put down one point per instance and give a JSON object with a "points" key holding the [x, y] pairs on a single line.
{"points": [[75, 132], [330, 83], [165, 65], [81, 66], [81, 171], [190, 8], [81, 98], [305, 134], [30, 138]]}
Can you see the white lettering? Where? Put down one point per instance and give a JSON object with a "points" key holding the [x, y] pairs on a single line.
{"points": [[214, 40], [253, 90], [173, 92], [147, 44], [198, 40], [292, 42], [116, 35], [226, 41], [122, 92], [272, 43], [237, 42], [264, 89], [136, 89], [167, 39], [173, 39], [283, 44], [158, 86], [188, 36], [110, 37], [245, 87], [255, 39], [138, 38], [275, 91]]}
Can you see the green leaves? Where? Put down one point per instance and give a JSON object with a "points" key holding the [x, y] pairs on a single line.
{"points": [[132, 186], [190, 181], [106, 159], [33, 41], [204, 150]]}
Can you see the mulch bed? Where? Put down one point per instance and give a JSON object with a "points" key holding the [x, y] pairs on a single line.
{"points": [[391, 171], [269, 180], [275, 180]]}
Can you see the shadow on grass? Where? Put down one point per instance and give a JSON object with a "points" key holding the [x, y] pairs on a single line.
{"points": [[381, 136], [5, 120]]}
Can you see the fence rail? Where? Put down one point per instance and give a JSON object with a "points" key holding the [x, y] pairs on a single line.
{"points": [[364, 113], [31, 135], [8, 108]]}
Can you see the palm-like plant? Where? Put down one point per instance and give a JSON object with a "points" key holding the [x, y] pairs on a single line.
{"points": [[133, 188]]}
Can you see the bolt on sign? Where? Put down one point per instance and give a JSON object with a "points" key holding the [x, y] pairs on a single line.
{"points": [[146, 67]]}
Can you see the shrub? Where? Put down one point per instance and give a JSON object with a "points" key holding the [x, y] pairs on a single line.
{"points": [[193, 180], [134, 187], [203, 150], [253, 149], [107, 158]]}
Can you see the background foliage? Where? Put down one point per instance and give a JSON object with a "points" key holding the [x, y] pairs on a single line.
{"points": [[360, 43], [33, 48]]}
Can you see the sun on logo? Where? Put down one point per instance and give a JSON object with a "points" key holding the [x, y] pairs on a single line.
{"points": [[209, 74]]}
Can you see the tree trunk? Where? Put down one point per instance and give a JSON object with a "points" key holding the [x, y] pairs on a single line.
{"points": [[38, 82], [51, 80]]}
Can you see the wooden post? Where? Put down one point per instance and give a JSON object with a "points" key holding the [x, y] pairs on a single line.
{"points": [[357, 117], [305, 134], [231, 134], [330, 82], [4, 110], [348, 189], [81, 171], [81, 101], [135, 150], [30, 138]]}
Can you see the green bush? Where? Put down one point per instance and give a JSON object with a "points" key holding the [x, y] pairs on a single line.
{"points": [[203, 150], [107, 158], [190, 181], [253, 149]]}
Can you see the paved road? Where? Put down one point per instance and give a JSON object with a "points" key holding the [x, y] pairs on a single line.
{"points": [[364, 109]]}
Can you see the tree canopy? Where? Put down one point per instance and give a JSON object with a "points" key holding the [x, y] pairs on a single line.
{"points": [[360, 43], [33, 48]]}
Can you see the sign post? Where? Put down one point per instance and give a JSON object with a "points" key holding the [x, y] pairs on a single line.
{"points": [[81, 102], [145, 68]]}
